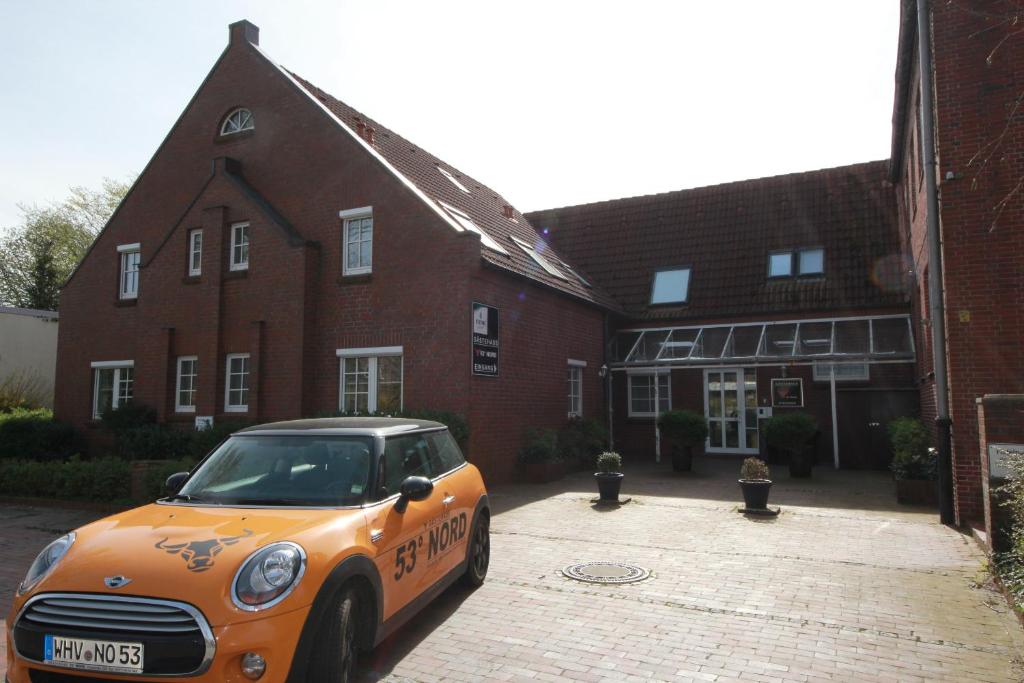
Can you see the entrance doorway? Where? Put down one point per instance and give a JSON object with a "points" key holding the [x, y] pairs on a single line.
{"points": [[730, 405]]}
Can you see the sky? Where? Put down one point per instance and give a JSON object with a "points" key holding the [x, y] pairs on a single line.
{"points": [[550, 102]]}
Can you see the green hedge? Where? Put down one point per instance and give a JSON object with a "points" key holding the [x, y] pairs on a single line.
{"points": [[35, 435], [102, 480]]}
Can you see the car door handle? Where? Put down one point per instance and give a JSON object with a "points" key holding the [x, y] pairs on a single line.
{"points": [[448, 500]]}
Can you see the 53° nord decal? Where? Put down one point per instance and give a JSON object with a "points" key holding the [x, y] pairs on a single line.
{"points": [[442, 534]]}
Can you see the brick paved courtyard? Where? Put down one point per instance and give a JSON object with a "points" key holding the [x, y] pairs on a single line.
{"points": [[843, 586]]}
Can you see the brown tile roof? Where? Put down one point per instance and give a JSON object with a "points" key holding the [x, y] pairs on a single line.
{"points": [[484, 206], [725, 232]]}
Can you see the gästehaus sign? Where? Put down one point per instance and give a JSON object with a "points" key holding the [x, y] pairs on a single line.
{"points": [[486, 340]]}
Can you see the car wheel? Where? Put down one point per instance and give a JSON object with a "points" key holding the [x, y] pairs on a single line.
{"points": [[337, 647], [479, 553]]}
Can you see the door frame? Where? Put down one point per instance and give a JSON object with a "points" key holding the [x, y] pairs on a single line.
{"points": [[740, 401]]}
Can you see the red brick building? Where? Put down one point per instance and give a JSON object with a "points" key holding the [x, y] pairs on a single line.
{"points": [[978, 118], [282, 255]]}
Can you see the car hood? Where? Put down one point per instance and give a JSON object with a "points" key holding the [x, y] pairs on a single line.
{"points": [[192, 553]]}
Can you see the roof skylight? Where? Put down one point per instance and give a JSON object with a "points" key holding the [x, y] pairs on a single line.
{"points": [[455, 181], [538, 257], [466, 223]]}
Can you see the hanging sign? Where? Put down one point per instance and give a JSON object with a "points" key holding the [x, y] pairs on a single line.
{"points": [[788, 392], [485, 340]]}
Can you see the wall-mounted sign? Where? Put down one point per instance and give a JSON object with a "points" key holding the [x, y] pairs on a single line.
{"points": [[788, 392], [203, 422], [999, 456], [486, 340]]}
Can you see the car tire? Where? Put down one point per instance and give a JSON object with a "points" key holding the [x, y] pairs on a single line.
{"points": [[337, 645], [478, 556]]}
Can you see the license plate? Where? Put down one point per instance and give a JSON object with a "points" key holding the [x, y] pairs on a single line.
{"points": [[93, 655]]}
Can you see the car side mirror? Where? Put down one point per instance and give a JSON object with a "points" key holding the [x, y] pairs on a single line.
{"points": [[413, 488], [175, 482]]}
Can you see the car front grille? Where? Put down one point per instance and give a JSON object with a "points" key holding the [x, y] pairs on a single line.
{"points": [[177, 638]]}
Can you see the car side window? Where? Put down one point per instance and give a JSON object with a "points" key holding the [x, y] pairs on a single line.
{"points": [[405, 456], [445, 451]]}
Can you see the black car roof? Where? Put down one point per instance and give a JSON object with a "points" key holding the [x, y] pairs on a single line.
{"points": [[347, 424]]}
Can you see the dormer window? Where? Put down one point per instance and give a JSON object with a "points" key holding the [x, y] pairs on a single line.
{"points": [[236, 122], [791, 262], [670, 286]]}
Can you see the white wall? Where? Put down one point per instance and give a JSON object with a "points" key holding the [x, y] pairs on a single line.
{"points": [[28, 345]]}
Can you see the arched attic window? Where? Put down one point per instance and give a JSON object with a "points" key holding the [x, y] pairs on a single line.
{"points": [[236, 122]]}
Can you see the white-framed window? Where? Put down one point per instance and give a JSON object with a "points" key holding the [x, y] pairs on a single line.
{"points": [[647, 390], [670, 286], [811, 261], [575, 377], [195, 253], [237, 121], [240, 246], [780, 264], [453, 179], [371, 380], [357, 241], [845, 372], [536, 253], [236, 383], [466, 223], [130, 257], [185, 386], [113, 385]]}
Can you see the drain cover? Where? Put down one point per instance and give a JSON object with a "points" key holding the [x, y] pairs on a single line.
{"points": [[606, 572]]}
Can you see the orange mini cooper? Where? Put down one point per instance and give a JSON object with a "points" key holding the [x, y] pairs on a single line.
{"points": [[288, 550]]}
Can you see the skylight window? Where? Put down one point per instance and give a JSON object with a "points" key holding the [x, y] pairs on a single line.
{"points": [[780, 264], [565, 266], [455, 181], [466, 224], [237, 121], [671, 286], [535, 254], [812, 261]]}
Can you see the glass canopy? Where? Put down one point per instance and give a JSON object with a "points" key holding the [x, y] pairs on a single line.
{"points": [[875, 339]]}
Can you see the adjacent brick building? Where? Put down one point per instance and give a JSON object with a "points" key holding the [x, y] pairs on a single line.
{"points": [[979, 127]]}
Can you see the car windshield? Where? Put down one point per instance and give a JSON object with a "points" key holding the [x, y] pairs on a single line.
{"points": [[283, 470]]}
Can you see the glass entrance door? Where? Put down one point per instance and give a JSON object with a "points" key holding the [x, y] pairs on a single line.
{"points": [[730, 404]]}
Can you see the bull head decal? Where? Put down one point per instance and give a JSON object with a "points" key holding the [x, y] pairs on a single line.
{"points": [[198, 555]]}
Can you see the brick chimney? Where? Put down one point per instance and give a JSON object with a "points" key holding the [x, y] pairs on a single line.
{"points": [[369, 134], [508, 211], [243, 31]]}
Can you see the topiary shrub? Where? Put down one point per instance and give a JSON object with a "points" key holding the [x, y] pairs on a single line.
{"points": [[539, 446], [35, 435], [790, 431], [912, 458], [683, 427], [754, 469], [609, 463]]}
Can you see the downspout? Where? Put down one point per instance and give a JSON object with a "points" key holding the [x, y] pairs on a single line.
{"points": [[936, 309], [608, 388]]}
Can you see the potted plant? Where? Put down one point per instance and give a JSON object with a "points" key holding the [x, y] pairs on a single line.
{"points": [[914, 464], [755, 484], [539, 456], [793, 433], [683, 429], [609, 476]]}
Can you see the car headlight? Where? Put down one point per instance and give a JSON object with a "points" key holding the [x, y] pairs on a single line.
{"points": [[268, 576], [46, 561]]}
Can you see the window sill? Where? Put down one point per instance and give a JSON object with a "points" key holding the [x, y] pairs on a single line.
{"points": [[122, 303], [191, 279], [239, 274], [360, 279]]}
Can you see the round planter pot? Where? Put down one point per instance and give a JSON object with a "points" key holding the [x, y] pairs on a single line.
{"points": [[609, 484], [682, 459], [755, 493]]}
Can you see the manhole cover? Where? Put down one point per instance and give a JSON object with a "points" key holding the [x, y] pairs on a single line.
{"points": [[606, 572]]}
